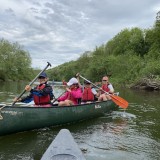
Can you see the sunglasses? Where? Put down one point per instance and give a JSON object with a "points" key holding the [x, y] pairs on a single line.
{"points": [[74, 84], [105, 80], [41, 77]]}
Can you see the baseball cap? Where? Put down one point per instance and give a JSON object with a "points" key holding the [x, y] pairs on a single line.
{"points": [[72, 81], [87, 82], [43, 75]]}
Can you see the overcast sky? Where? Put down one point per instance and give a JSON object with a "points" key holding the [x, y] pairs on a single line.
{"points": [[61, 30]]}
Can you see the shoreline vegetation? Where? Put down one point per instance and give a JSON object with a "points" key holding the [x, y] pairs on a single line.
{"points": [[131, 59]]}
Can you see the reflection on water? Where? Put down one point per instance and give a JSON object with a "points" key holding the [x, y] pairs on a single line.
{"points": [[133, 134]]}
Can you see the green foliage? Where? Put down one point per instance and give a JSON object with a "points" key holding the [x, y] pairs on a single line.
{"points": [[131, 55], [14, 62], [127, 40]]}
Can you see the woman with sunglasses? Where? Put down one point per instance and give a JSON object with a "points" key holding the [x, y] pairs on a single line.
{"points": [[107, 87]]}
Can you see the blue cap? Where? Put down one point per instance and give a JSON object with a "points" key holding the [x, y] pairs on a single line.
{"points": [[43, 75]]}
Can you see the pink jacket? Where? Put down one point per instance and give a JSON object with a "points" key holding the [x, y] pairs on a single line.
{"points": [[74, 95]]}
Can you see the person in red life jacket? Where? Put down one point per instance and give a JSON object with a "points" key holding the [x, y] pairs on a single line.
{"points": [[42, 94], [72, 95], [106, 86], [89, 93]]}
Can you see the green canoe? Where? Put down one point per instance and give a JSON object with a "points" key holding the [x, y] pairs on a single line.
{"points": [[23, 118]]}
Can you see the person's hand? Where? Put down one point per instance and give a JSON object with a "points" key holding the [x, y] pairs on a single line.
{"points": [[77, 75], [28, 88], [67, 89], [16, 99], [100, 89]]}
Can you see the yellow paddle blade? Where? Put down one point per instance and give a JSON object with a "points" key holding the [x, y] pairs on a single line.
{"points": [[119, 101]]}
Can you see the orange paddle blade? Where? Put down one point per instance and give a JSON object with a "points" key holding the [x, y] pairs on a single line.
{"points": [[119, 101]]}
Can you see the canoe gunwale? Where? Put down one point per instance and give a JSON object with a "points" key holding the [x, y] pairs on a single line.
{"points": [[54, 106]]}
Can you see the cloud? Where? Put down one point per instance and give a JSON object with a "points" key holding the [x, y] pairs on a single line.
{"points": [[60, 31]]}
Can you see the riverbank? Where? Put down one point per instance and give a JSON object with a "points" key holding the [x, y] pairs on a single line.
{"points": [[149, 83]]}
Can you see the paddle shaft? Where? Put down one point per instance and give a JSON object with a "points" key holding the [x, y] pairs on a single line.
{"points": [[32, 82], [93, 84], [58, 97]]}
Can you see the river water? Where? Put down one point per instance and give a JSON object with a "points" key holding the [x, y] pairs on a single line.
{"points": [[133, 134]]}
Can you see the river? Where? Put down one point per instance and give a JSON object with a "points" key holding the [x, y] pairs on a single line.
{"points": [[133, 134]]}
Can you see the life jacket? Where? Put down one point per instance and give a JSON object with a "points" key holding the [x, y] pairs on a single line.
{"points": [[41, 100], [105, 88], [87, 95]]}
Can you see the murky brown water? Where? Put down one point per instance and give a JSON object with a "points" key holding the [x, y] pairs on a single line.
{"points": [[132, 135]]}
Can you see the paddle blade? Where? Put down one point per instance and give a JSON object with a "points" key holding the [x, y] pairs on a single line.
{"points": [[119, 101]]}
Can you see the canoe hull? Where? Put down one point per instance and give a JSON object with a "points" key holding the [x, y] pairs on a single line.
{"points": [[63, 147], [17, 119]]}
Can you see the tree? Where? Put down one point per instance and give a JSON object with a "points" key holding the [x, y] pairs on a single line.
{"points": [[14, 61]]}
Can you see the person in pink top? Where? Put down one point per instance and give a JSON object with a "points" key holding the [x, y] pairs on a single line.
{"points": [[73, 94]]}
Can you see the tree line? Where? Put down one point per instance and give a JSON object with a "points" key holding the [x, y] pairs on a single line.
{"points": [[128, 57]]}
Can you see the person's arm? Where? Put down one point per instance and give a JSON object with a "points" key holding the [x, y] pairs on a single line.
{"points": [[96, 94], [63, 98], [99, 91], [45, 91], [94, 91], [111, 89], [27, 99], [79, 84]]}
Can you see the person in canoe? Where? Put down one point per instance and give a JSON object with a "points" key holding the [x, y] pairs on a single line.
{"points": [[72, 95], [89, 93], [42, 94], [107, 87]]}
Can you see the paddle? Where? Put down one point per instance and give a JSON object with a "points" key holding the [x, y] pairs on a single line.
{"points": [[32, 82], [116, 99], [58, 97]]}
